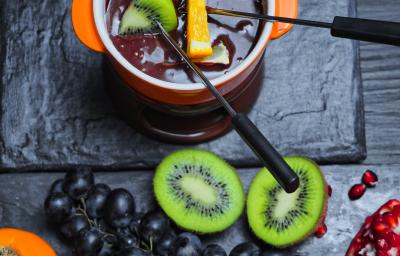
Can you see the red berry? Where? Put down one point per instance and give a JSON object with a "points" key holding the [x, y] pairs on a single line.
{"points": [[329, 190], [357, 191], [321, 230], [369, 178]]}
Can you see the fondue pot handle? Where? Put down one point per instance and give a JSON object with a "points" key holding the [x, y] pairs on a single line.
{"points": [[269, 157], [376, 31], [84, 25], [284, 8]]}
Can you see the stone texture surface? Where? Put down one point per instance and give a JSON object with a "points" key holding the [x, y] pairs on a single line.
{"points": [[380, 66], [22, 196], [55, 111]]}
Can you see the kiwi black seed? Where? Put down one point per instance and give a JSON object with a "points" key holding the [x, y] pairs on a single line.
{"points": [[199, 191], [281, 219], [140, 17]]}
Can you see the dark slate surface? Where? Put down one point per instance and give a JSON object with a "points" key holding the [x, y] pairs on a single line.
{"points": [[55, 111], [380, 66], [22, 196]]}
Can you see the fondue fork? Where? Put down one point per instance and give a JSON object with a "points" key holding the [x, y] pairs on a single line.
{"points": [[270, 158], [376, 31]]}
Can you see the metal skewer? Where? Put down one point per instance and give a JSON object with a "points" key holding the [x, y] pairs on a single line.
{"points": [[211, 10], [246, 129], [376, 31]]}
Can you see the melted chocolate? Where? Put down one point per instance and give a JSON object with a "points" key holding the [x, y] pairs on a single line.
{"points": [[153, 55]]}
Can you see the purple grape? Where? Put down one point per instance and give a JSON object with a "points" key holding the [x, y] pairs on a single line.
{"points": [[88, 243], [246, 249], [153, 226], [58, 207], [214, 250], [77, 183], [120, 208], [73, 225]]}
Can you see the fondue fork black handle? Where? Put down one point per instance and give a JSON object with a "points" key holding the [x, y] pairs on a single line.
{"points": [[270, 158], [384, 32]]}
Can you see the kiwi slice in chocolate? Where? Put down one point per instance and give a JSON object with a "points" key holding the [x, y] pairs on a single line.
{"points": [[199, 191], [140, 17], [281, 219]]}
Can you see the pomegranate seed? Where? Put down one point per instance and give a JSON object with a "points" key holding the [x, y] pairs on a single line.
{"points": [[357, 191], [393, 239], [382, 245], [393, 203], [390, 220], [369, 178], [396, 211], [382, 253], [380, 228], [329, 190], [321, 230]]}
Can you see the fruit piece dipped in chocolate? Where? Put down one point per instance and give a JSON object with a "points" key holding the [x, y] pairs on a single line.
{"points": [[140, 17], [232, 40], [199, 191], [198, 36], [380, 233], [281, 219]]}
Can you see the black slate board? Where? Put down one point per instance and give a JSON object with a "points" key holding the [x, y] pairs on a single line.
{"points": [[55, 111], [22, 196]]}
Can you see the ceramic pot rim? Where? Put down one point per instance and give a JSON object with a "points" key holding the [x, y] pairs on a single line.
{"points": [[100, 20]]}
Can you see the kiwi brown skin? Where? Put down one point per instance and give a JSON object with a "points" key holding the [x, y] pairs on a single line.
{"points": [[324, 209], [321, 218]]}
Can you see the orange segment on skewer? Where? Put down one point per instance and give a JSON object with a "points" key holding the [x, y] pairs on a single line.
{"points": [[198, 36]]}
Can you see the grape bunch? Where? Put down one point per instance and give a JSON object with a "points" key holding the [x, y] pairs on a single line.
{"points": [[98, 221]]}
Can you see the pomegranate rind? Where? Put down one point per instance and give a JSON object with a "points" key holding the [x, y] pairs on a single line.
{"points": [[304, 227], [358, 241]]}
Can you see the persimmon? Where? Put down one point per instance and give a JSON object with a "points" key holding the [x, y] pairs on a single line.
{"points": [[14, 242]]}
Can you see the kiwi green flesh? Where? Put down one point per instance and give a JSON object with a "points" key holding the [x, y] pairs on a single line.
{"points": [[199, 191], [281, 219], [140, 17]]}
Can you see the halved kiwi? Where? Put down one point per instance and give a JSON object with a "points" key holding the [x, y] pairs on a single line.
{"points": [[199, 191], [281, 219], [141, 15]]}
